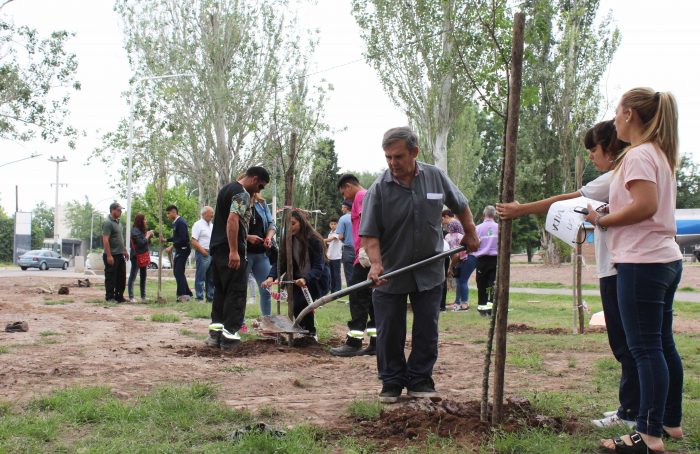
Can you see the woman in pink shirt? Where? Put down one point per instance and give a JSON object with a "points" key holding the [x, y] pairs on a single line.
{"points": [[641, 234]]}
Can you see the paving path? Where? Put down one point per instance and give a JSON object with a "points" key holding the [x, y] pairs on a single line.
{"points": [[692, 297]]}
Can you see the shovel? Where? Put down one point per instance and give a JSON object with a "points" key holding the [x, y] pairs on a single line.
{"points": [[369, 282]]}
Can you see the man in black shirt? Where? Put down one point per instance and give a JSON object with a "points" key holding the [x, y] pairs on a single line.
{"points": [[229, 262], [181, 250]]}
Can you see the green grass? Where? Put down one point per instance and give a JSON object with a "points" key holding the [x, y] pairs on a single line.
{"points": [[553, 285], [165, 318], [531, 361], [49, 333], [687, 288], [366, 410], [50, 302], [4, 349], [237, 368]]}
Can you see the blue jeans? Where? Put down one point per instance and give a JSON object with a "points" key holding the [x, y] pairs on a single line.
{"points": [[259, 266], [202, 277], [629, 381], [336, 281], [645, 295], [348, 262], [463, 271], [132, 277]]}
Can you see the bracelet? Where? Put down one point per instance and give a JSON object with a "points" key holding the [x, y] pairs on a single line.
{"points": [[596, 222]]}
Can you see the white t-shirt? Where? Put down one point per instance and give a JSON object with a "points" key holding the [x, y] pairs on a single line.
{"points": [[201, 231], [335, 248], [599, 189]]}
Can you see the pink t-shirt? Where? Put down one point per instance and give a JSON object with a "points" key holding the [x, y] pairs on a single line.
{"points": [[652, 240], [355, 214]]}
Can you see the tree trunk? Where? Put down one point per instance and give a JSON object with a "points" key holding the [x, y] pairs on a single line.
{"points": [[506, 227], [443, 116], [288, 204]]}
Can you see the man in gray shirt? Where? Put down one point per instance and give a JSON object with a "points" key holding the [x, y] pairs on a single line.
{"points": [[401, 225], [115, 255]]}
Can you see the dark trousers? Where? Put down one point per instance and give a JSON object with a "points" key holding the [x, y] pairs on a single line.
{"points": [[390, 313], [645, 295], [348, 262], [309, 321], [115, 277], [179, 271], [132, 277], [230, 291], [336, 281], [486, 266], [629, 380], [361, 307]]}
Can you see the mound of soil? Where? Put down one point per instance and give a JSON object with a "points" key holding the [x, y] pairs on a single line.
{"points": [[522, 328], [458, 420], [257, 347]]}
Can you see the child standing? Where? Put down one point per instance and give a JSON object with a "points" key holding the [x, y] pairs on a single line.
{"points": [[334, 254]]}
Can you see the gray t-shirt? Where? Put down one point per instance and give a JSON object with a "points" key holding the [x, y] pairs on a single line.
{"points": [[113, 228], [408, 223]]}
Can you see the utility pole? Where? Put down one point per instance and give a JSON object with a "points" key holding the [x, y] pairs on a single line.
{"points": [[58, 160]]}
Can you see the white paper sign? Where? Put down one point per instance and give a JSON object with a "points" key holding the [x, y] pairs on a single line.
{"points": [[563, 222]]}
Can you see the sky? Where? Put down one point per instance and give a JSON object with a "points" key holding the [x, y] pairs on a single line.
{"points": [[658, 41]]}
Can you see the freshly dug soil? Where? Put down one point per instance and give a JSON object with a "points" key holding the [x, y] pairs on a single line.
{"points": [[417, 419], [303, 346]]}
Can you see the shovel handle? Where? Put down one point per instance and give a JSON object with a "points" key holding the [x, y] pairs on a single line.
{"points": [[369, 282]]}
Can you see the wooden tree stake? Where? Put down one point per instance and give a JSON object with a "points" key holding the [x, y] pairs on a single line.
{"points": [[506, 227]]}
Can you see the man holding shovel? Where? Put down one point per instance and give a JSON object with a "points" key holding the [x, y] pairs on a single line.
{"points": [[401, 225]]}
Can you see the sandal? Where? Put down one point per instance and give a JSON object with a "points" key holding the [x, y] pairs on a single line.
{"points": [[638, 446], [667, 436]]}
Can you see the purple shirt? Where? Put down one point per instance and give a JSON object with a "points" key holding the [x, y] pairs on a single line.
{"points": [[487, 232]]}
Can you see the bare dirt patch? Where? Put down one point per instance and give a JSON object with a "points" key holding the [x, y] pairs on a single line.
{"points": [[86, 342]]}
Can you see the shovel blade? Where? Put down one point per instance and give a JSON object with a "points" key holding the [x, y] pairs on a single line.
{"points": [[279, 324]]}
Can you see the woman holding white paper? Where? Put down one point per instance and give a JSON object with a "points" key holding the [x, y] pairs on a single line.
{"points": [[604, 148], [648, 261]]}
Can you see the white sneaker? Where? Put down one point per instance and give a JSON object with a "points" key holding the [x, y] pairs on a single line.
{"points": [[612, 421], [609, 413]]}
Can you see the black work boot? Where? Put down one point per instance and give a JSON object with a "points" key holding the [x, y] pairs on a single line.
{"points": [[351, 347], [371, 349]]}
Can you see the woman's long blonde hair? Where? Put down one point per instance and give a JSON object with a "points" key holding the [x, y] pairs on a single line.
{"points": [[659, 115]]}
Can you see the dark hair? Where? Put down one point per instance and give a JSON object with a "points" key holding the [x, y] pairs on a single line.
{"points": [[605, 135], [171, 208], [333, 220], [448, 213], [306, 232], [260, 172], [347, 204], [140, 222], [348, 178]]}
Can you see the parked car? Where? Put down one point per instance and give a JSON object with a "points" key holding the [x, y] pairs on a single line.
{"points": [[154, 261], [42, 259]]}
